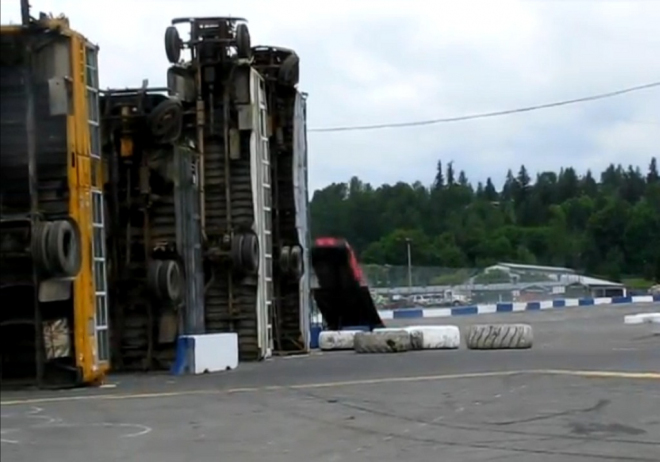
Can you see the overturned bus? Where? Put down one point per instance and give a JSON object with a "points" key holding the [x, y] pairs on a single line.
{"points": [[153, 235], [132, 217], [54, 319], [241, 215], [280, 68]]}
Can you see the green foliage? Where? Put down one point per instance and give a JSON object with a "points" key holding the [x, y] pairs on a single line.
{"points": [[609, 227]]}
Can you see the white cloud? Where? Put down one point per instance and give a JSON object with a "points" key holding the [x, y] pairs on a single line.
{"points": [[367, 62]]}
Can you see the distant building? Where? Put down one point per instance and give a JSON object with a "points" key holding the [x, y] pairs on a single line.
{"points": [[506, 282], [519, 271]]}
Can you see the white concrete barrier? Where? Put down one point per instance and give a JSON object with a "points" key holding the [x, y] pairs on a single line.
{"points": [[200, 354]]}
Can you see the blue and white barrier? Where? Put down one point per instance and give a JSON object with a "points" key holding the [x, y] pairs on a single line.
{"points": [[200, 354], [510, 307]]}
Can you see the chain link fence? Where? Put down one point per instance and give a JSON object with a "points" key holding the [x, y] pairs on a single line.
{"points": [[395, 287]]}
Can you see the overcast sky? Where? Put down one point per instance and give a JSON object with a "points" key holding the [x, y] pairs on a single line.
{"points": [[369, 62]]}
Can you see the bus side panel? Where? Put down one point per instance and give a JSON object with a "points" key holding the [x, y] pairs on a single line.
{"points": [[300, 182], [79, 206], [83, 169]]}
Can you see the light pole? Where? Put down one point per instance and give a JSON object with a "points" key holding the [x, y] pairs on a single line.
{"points": [[408, 242]]}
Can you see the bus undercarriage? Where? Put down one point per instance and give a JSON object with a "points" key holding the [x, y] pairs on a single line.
{"points": [[132, 217]]}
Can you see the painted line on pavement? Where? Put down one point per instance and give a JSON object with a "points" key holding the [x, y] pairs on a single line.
{"points": [[385, 380]]}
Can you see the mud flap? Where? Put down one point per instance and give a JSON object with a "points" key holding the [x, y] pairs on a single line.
{"points": [[55, 290]]}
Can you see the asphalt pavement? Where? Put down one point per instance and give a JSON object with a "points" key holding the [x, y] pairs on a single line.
{"points": [[589, 390]]}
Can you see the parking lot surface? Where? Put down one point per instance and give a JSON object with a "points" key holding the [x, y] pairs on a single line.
{"points": [[589, 390]]}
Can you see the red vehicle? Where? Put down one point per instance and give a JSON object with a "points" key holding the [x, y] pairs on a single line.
{"points": [[342, 295]]}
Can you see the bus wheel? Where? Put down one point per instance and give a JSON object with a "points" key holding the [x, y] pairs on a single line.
{"points": [[166, 121], [40, 246], [56, 248], [173, 44], [165, 280], [245, 252], [285, 259], [296, 261], [250, 253], [243, 41], [170, 280], [153, 269], [289, 73]]}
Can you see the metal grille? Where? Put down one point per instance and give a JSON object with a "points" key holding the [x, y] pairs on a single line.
{"points": [[98, 212], [267, 206], [100, 279], [92, 77]]}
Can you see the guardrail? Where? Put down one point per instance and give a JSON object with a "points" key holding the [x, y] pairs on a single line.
{"points": [[511, 307]]}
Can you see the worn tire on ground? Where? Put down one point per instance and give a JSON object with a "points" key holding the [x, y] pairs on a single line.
{"points": [[415, 337], [333, 340], [642, 318], [435, 337], [499, 337], [397, 341]]}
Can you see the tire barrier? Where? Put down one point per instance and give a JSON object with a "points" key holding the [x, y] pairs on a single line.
{"points": [[396, 341], [499, 337], [429, 337], [56, 248], [333, 340], [415, 336], [165, 279], [435, 337], [642, 318], [447, 337]]}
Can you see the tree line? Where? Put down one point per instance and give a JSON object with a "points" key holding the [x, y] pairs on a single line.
{"points": [[607, 225]]}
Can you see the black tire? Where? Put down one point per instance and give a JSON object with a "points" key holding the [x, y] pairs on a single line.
{"points": [[153, 272], [289, 72], [64, 248], [296, 261], [243, 42], [56, 248], [285, 259], [39, 246], [173, 44], [250, 253], [170, 281], [166, 121], [236, 257]]}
